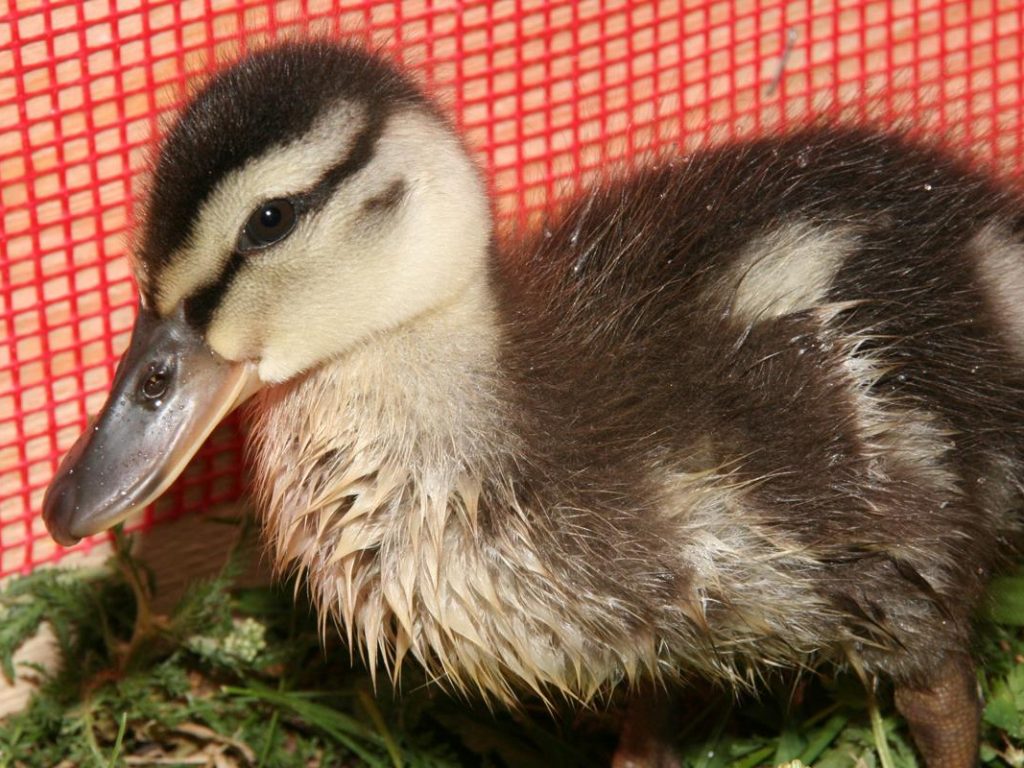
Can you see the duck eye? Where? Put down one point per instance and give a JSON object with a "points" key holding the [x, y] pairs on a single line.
{"points": [[271, 222]]}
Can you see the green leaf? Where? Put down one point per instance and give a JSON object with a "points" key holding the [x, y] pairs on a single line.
{"points": [[338, 725], [119, 740], [1006, 600], [754, 759], [1002, 713], [789, 747], [820, 739], [1005, 706]]}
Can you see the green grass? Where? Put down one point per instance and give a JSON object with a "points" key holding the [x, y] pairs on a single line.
{"points": [[240, 677]]}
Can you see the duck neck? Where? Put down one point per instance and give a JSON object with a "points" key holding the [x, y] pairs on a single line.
{"points": [[412, 414]]}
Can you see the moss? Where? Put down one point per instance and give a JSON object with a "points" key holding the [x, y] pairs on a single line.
{"points": [[240, 677]]}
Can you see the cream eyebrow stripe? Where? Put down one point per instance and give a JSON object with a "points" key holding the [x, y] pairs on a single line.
{"points": [[203, 302], [281, 171]]}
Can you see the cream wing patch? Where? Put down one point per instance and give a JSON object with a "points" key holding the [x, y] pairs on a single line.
{"points": [[753, 592], [279, 172], [788, 270], [1000, 266]]}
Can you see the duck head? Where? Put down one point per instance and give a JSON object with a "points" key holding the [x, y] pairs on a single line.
{"points": [[306, 199]]}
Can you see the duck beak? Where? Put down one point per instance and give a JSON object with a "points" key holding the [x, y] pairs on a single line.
{"points": [[169, 392]]}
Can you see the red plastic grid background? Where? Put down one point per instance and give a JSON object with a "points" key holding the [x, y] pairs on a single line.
{"points": [[547, 90]]}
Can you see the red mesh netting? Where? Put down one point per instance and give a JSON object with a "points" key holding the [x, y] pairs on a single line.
{"points": [[545, 91]]}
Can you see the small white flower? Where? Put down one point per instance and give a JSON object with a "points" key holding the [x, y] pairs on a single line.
{"points": [[246, 640]]}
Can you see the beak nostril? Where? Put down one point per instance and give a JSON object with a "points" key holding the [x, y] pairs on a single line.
{"points": [[154, 386]]}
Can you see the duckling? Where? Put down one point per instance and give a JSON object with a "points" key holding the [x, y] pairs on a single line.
{"points": [[753, 408]]}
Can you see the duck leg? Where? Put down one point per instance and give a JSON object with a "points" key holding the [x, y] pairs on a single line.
{"points": [[645, 740], [944, 715]]}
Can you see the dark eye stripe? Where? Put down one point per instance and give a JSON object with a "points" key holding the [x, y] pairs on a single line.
{"points": [[388, 199], [358, 158], [201, 305], [231, 121]]}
